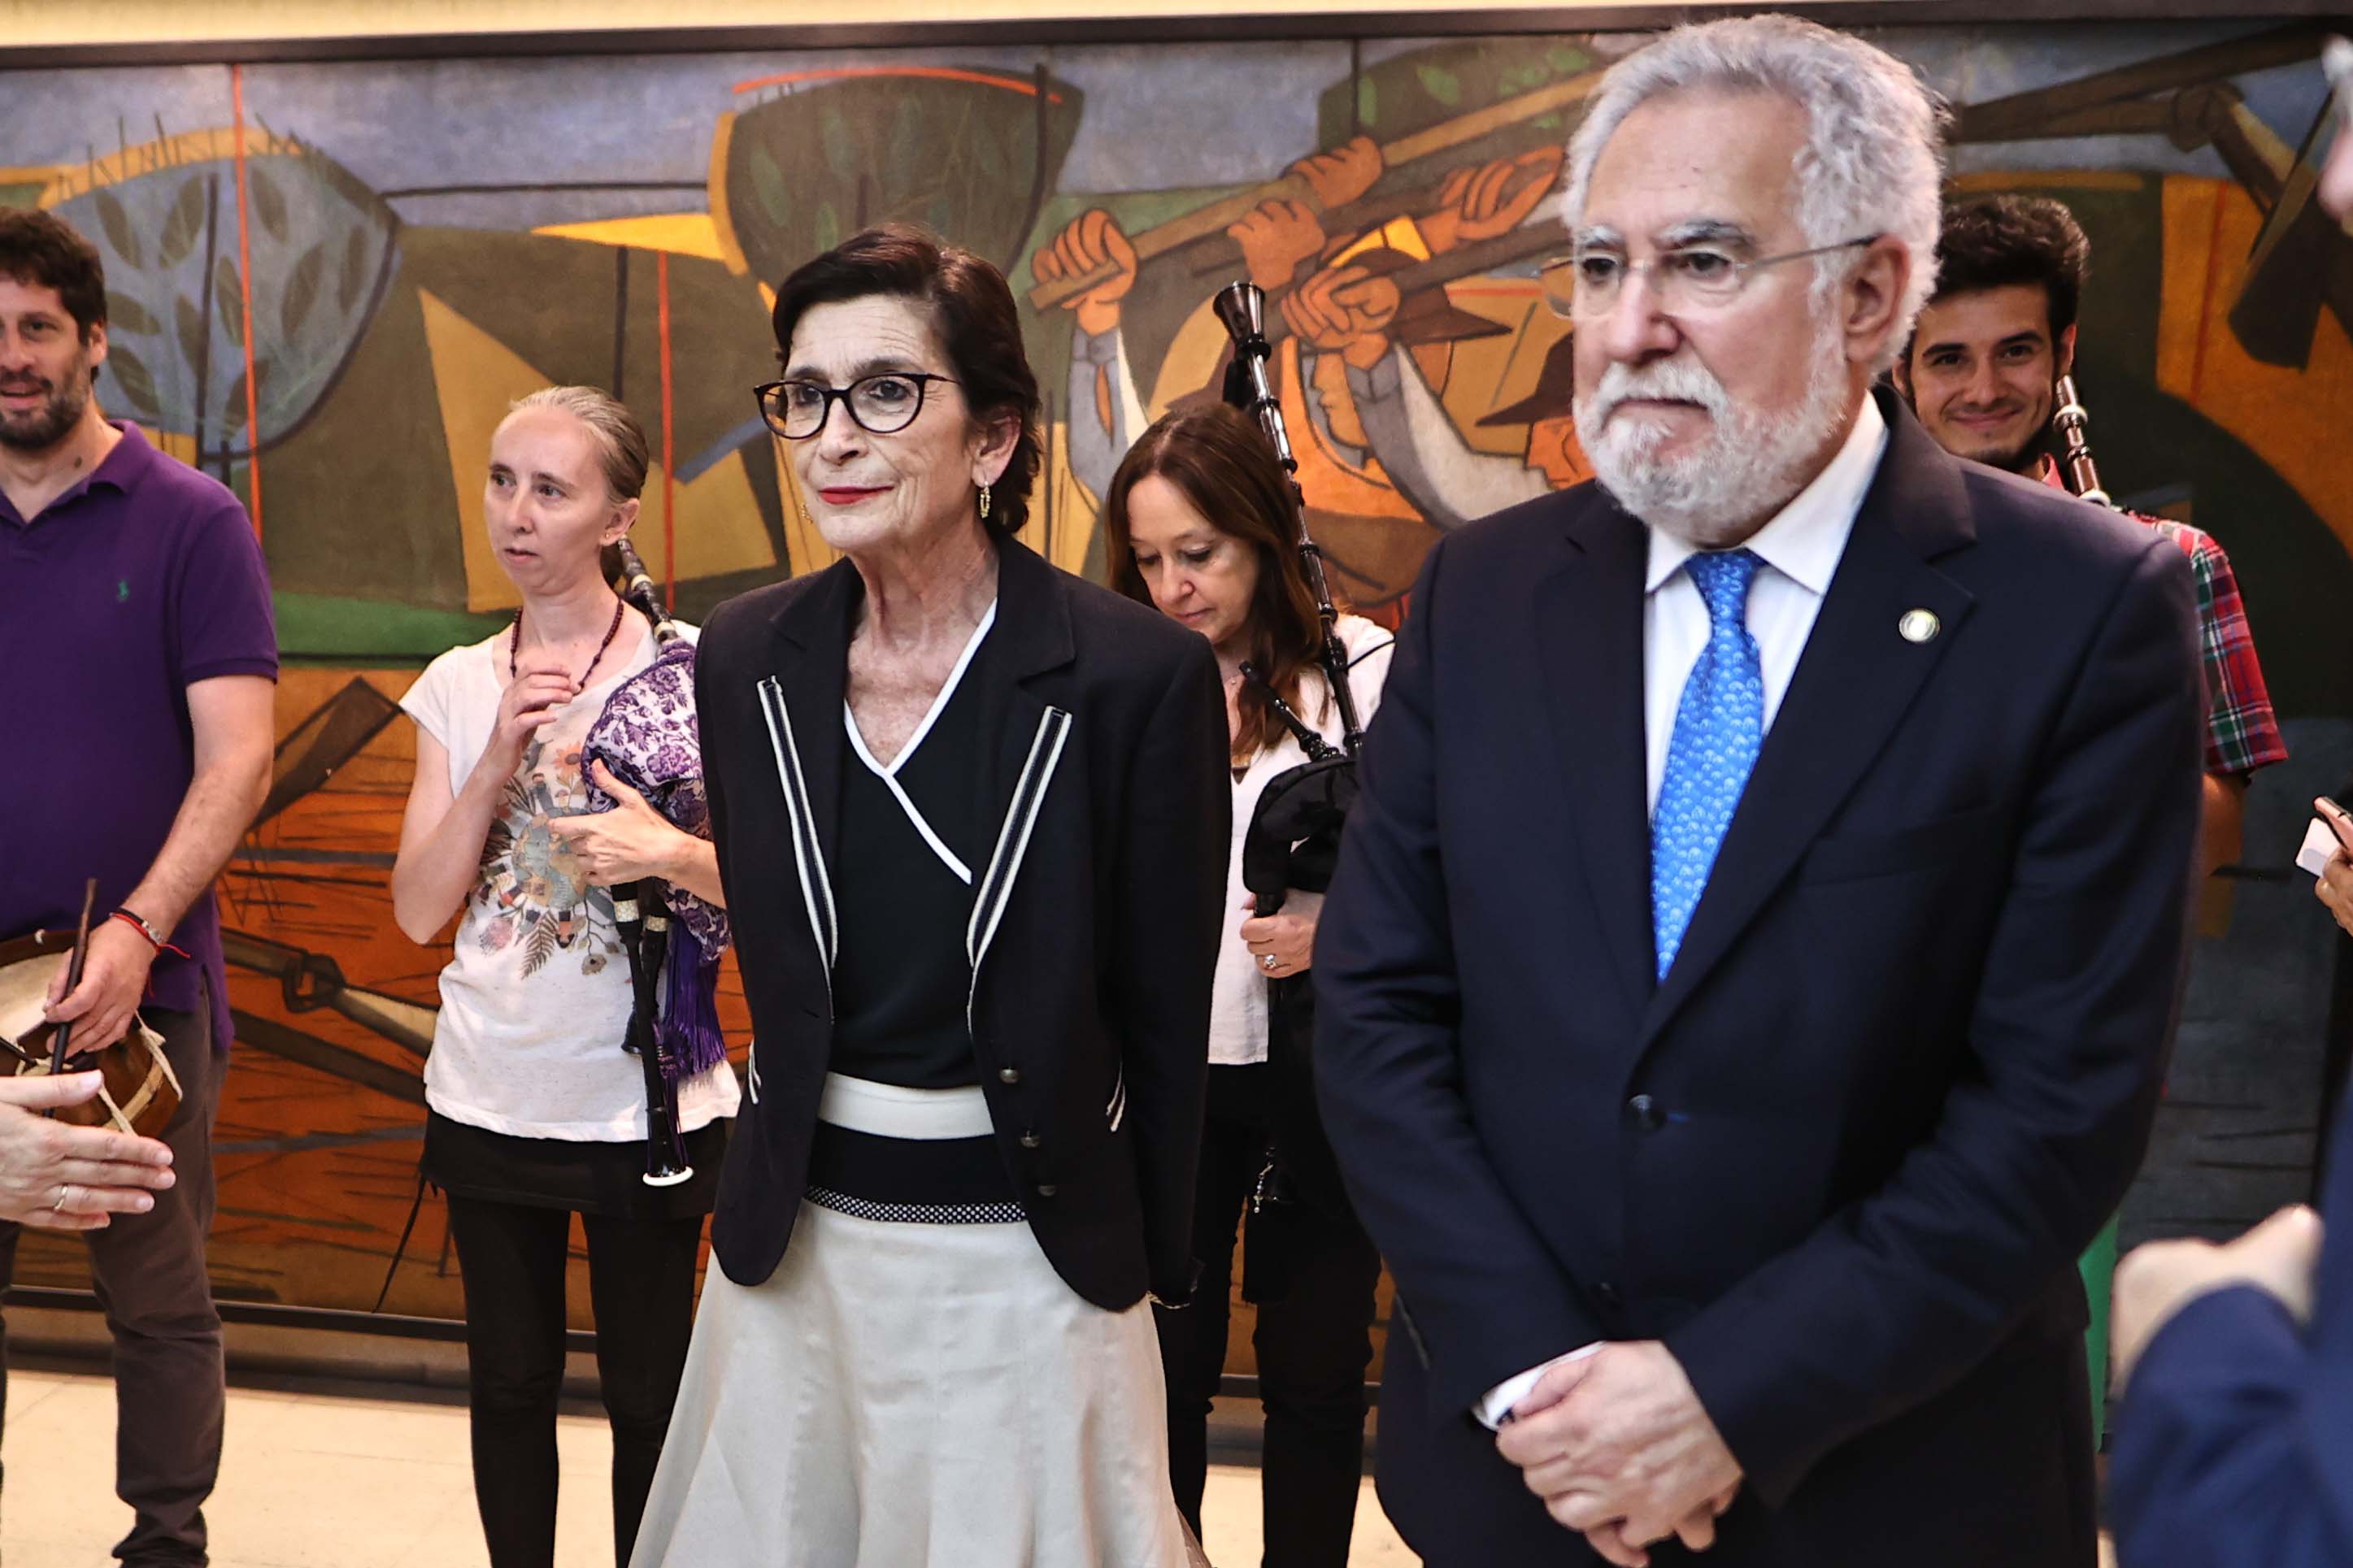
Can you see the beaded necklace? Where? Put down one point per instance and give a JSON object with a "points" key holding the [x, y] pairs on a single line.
{"points": [[514, 643]]}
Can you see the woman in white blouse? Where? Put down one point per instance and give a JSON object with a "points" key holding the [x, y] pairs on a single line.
{"points": [[1198, 524], [535, 1112]]}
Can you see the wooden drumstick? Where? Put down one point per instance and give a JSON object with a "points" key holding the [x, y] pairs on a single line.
{"points": [[73, 975]]}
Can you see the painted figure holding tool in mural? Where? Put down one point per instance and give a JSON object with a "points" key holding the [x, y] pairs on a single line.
{"points": [[1370, 351], [1367, 349]]}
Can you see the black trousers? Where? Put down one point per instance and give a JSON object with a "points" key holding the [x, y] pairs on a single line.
{"points": [[1314, 1340], [641, 1286]]}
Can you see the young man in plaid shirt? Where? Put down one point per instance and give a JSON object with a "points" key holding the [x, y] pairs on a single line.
{"points": [[1981, 374], [1981, 371]]}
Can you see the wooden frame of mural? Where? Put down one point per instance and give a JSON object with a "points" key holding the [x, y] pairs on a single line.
{"points": [[435, 225], [1244, 27]]}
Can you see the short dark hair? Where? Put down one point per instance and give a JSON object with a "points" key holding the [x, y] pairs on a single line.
{"points": [[42, 250], [1995, 242], [977, 324]]}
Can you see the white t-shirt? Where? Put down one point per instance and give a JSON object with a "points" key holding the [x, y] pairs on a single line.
{"points": [[535, 1000], [1238, 993]]}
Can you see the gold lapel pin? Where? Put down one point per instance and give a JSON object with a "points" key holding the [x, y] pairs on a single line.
{"points": [[1919, 625]]}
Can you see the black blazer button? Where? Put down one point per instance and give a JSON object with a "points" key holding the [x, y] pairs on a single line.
{"points": [[1008, 1075], [1644, 1114], [1607, 1294], [1030, 1141], [1046, 1189]]}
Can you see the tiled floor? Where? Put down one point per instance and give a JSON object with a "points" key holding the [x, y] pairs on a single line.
{"points": [[319, 1480], [331, 1481]]}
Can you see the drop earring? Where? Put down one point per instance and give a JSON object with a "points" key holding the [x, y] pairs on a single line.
{"points": [[984, 503]]}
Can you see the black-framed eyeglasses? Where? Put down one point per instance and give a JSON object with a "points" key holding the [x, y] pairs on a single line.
{"points": [[881, 405]]}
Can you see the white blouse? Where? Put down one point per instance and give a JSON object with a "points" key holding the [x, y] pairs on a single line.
{"points": [[537, 999], [1237, 998]]}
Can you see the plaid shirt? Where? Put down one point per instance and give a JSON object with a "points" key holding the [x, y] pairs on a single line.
{"points": [[2240, 734]]}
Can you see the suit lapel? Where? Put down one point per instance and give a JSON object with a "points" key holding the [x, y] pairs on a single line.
{"points": [[1033, 622], [1590, 628], [1030, 734], [1856, 678]]}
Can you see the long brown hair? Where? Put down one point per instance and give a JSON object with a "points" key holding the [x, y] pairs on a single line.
{"points": [[1220, 462]]}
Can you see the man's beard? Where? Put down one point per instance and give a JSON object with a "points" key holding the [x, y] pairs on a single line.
{"points": [[45, 426], [2025, 459], [1748, 467]]}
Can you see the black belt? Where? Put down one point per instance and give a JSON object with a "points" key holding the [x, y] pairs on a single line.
{"points": [[911, 1181]]}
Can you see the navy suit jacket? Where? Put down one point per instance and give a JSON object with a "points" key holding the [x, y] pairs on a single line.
{"points": [[2236, 1443], [1842, 1160]]}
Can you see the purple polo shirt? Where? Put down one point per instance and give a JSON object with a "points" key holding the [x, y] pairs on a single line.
{"points": [[142, 580]]}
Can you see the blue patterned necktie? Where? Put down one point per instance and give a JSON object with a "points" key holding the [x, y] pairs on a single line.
{"points": [[1719, 727]]}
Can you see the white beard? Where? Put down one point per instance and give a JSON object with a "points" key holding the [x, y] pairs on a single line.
{"points": [[1746, 467]]}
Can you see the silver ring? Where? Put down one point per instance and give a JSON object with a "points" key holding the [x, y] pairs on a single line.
{"points": [[1266, 962], [59, 1206]]}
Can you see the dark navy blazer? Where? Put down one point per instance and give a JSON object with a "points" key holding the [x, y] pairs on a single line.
{"points": [[2236, 1443]]}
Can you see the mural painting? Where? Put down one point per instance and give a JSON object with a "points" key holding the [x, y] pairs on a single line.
{"points": [[328, 281]]}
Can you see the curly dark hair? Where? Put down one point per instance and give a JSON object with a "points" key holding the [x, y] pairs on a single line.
{"points": [[44, 250], [1994, 242], [977, 324]]}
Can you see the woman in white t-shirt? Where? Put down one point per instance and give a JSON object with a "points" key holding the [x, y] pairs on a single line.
{"points": [[536, 1112], [1199, 523]]}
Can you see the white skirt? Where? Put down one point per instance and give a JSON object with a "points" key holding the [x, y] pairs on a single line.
{"points": [[913, 1395]]}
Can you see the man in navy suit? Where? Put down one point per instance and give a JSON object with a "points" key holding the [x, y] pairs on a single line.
{"points": [[2236, 1442], [1747, 981]]}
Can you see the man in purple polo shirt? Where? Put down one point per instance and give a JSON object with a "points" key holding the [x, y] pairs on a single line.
{"points": [[140, 663]]}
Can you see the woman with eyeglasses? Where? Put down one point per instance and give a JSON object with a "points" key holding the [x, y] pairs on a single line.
{"points": [[973, 814], [535, 1112], [1199, 523]]}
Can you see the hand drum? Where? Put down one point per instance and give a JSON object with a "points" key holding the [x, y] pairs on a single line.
{"points": [[141, 1090]]}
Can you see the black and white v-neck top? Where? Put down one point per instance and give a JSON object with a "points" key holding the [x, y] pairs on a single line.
{"points": [[912, 835]]}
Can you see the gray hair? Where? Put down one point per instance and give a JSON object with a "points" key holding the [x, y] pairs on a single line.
{"points": [[621, 447], [1872, 163]]}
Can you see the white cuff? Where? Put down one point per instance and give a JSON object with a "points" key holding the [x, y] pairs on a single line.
{"points": [[1494, 1409]]}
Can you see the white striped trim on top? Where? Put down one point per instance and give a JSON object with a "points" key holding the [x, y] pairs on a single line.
{"points": [[808, 857], [889, 776], [1013, 843]]}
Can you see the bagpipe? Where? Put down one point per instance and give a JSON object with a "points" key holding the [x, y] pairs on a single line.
{"points": [[1294, 839], [2076, 467], [648, 738]]}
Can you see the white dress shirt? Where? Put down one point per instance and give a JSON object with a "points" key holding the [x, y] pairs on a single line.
{"points": [[1800, 548]]}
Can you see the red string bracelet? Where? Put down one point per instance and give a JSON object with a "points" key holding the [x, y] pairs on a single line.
{"points": [[143, 929]]}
